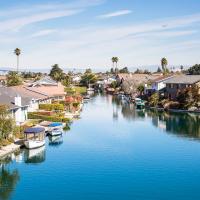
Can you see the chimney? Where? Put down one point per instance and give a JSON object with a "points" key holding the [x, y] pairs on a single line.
{"points": [[18, 101]]}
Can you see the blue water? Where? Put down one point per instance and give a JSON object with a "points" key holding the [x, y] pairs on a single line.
{"points": [[112, 152]]}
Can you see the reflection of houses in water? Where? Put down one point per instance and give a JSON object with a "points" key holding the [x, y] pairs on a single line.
{"points": [[34, 156], [181, 124]]}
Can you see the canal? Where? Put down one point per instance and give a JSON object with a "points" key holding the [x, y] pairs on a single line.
{"points": [[113, 152]]}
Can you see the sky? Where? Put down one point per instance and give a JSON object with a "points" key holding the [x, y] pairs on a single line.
{"points": [[88, 33]]}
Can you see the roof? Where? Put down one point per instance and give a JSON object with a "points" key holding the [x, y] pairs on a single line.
{"points": [[34, 130], [7, 97], [184, 79], [25, 92], [162, 78], [50, 91], [44, 81], [54, 124]]}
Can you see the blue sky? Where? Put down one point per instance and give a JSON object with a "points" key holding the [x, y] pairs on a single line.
{"points": [[87, 33]]}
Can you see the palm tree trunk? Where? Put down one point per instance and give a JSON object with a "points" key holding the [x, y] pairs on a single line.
{"points": [[17, 64]]}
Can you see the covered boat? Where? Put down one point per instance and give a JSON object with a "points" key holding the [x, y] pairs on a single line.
{"points": [[55, 128], [35, 137]]}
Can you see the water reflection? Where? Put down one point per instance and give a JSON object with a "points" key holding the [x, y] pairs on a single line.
{"points": [[8, 178], [180, 124], [55, 140], [34, 156]]}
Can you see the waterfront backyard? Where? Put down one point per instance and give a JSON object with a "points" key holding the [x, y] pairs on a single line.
{"points": [[113, 152]]}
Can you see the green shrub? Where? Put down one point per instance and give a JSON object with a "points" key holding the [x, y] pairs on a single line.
{"points": [[48, 118], [50, 107]]}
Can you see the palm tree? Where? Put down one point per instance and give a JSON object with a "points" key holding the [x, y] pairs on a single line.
{"points": [[164, 64], [115, 61], [17, 52]]}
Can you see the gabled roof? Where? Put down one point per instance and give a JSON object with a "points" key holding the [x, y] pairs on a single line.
{"points": [[44, 81], [7, 97], [49, 90], [162, 78], [183, 79]]}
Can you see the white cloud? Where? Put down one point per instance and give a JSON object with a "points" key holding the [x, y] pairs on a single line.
{"points": [[115, 14], [43, 33]]}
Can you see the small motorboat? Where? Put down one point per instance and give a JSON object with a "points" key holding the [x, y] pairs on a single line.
{"points": [[139, 103], [55, 128], [56, 131], [35, 137]]}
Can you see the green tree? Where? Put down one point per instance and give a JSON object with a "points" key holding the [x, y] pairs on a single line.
{"points": [[194, 70], [13, 79], [154, 99], [17, 52], [67, 80], [7, 124], [115, 61], [124, 70], [114, 84], [164, 64], [159, 70], [88, 78], [112, 70], [140, 89], [56, 73]]}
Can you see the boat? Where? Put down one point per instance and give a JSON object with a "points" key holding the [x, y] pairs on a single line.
{"points": [[56, 131], [86, 98], [55, 128], [139, 103], [35, 137]]}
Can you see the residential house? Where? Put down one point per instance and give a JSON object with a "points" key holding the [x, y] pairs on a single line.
{"points": [[156, 85], [130, 81], [178, 83], [48, 87], [17, 105]]}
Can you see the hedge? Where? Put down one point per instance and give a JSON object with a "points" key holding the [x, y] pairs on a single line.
{"points": [[48, 118], [50, 107]]}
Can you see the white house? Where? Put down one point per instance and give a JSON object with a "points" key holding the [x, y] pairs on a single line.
{"points": [[156, 85]]}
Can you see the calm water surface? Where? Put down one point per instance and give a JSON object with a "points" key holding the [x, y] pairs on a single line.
{"points": [[112, 152]]}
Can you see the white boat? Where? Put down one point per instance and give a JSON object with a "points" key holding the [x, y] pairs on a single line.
{"points": [[35, 137], [32, 144], [56, 131]]}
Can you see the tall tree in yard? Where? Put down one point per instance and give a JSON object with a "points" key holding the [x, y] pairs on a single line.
{"points": [[17, 52], [164, 64], [115, 60], [56, 73]]}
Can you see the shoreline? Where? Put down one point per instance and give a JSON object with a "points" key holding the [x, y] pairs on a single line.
{"points": [[173, 110], [6, 150]]}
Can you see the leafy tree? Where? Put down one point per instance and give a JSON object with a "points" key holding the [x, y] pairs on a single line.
{"points": [[164, 64], [112, 71], [154, 99], [189, 97], [88, 78], [181, 67], [67, 80], [194, 70], [140, 88], [17, 52], [159, 70], [114, 84], [13, 79], [124, 70], [88, 71], [7, 125], [56, 73], [115, 61]]}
